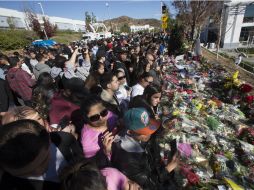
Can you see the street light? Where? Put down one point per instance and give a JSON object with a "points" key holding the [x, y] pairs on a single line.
{"points": [[44, 22], [107, 5]]}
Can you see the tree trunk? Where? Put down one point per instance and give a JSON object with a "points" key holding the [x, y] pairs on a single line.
{"points": [[219, 37], [193, 29]]}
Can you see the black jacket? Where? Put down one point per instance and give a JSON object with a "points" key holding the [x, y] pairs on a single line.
{"points": [[6, 97], [71, 151], [145, 168]]}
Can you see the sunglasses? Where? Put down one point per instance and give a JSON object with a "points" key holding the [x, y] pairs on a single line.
{"points": [[150, 82], [121, 78], [97, 117]]}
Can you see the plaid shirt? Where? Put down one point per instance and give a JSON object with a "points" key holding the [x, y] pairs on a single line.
{"points": [[21, 83]]}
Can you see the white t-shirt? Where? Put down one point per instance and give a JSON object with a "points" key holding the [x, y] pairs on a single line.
{"points": [[122, 94], [25, 68], [137, 90], [33, 62]]}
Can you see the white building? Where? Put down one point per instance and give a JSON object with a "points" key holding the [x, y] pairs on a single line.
{"points": [[237, 25], [135, 28], [19, 19]]}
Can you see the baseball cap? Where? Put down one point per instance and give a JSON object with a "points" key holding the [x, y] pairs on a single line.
{"points": [[100, 54], [138, 120], [120, 49]]}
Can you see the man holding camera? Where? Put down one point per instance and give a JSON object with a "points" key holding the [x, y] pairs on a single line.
{"points": [[80, 70]]}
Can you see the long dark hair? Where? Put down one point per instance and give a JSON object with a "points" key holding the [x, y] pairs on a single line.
{"points": [[43, 93], [87, 104], [141, 68], [150, 90], [46, 81], [82, 175]]}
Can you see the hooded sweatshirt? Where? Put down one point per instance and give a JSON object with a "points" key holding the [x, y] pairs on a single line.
{"points": [[40, 68], [20, 82]]}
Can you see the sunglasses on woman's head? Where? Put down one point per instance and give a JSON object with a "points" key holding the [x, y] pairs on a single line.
{"points": [[121, 78], [97, 117]]}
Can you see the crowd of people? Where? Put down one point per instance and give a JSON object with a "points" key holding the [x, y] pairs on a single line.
{"points": [[84, 116]]}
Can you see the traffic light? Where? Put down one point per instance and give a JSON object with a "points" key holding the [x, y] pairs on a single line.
{"points": [[164, 9], [164, 17]]}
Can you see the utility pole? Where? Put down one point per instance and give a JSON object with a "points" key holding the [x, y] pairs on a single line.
{"points": [[107, 5], [44, 22]]}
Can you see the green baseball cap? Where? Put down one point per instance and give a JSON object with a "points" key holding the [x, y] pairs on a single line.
{"points": [[138, 120]]}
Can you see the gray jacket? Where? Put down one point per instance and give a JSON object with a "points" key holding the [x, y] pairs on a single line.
{"points": [[81, 72], [40, 68]]}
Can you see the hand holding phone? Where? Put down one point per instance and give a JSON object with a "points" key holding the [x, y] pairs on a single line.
{"points": [[113, 132], [127, 87], [173, 163], [107, 140]]}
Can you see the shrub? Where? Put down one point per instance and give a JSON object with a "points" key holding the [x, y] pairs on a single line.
{"points": [[176, 41], [15, 39]]}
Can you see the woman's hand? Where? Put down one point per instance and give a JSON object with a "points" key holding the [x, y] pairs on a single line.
{"points": [[131, 185], [173, 164], [107, 141]]}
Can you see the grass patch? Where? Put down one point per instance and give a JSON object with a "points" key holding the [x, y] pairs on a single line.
{"points": [[247, 66], [227, 56], [246, 50], [66, 36]]}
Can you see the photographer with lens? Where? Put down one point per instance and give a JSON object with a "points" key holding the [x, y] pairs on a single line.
{"points": [[80, 69]]}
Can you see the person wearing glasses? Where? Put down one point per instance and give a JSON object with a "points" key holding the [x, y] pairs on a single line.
{"points": [[144, 80], [97, 135], [124, 91]]}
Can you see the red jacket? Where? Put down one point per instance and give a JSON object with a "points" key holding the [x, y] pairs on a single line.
{"points": [[60, 108], [21, 83]]}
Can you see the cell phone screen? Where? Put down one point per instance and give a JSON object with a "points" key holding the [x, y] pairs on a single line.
{"points": [[173, 145], [114, 131], [127, 88]]}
